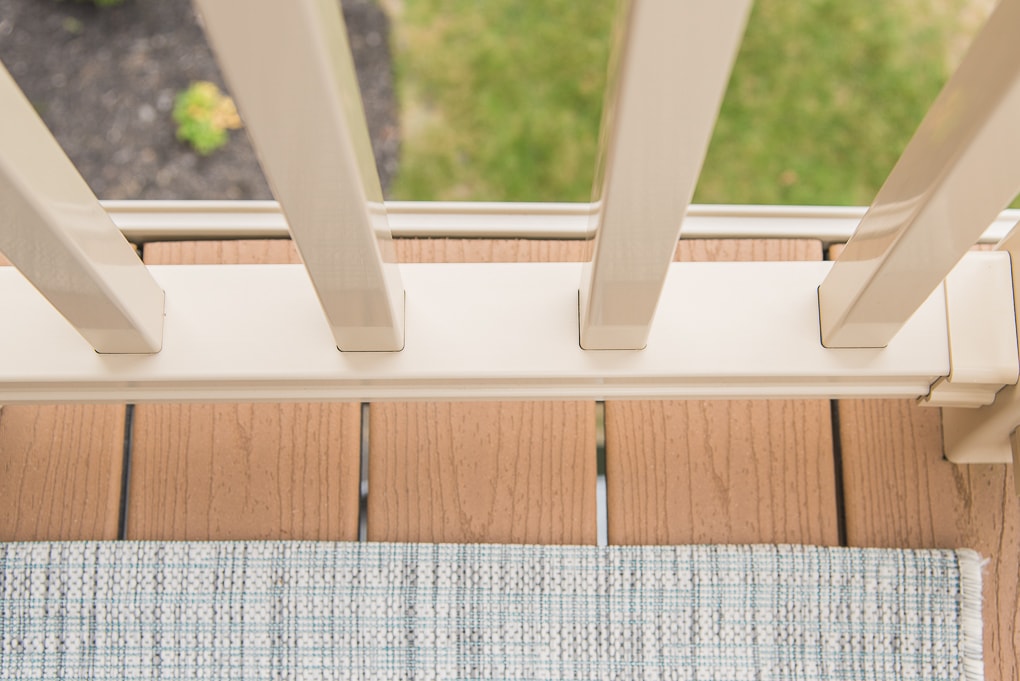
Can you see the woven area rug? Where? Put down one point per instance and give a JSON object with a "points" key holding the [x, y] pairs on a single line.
{"points": [[294, 610]]}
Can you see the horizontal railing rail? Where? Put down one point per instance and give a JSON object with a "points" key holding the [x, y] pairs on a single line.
{"points": [[146, 221], [474, 331]]}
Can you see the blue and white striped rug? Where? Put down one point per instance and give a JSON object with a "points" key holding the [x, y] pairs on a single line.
{"points": [[295, 610]]}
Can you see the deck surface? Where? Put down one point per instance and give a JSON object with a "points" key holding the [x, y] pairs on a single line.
{"points": [[860, 473]]}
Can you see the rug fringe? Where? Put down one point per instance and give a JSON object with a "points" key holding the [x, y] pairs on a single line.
{"points": [[971, 563]]}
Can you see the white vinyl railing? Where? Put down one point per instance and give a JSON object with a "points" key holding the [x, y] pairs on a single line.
{"points": [[904, 312], [666, 85], [961, 168], [319, 163], [54, 230]]}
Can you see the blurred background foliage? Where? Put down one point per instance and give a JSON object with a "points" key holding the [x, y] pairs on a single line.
{"points": [[501, 99]]}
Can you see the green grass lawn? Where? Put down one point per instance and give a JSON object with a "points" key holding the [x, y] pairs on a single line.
{"points": [[501, 99]]}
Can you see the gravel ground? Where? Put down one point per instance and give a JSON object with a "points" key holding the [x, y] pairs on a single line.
{"points": [[104, 80]]}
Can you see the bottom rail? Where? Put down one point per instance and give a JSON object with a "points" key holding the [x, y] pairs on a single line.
{"points": [[492, 331]]}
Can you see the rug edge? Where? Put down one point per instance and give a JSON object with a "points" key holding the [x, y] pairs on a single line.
{"points": [[971, 623]]}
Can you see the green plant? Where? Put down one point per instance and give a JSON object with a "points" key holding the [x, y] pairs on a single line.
{"points": [[204, 115], [72, 25]]}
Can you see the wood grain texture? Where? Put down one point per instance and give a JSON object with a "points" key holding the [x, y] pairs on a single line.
{"points": [[243, 471], [60, 470], [489, 250], [243, 252], [520, 472], [738, 471], [900, 491], [501, 472]]}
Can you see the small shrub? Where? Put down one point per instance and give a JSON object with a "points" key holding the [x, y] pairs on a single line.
{"points": [[72, 25], [204, 115]]}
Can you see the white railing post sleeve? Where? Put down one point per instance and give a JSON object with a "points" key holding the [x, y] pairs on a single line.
{"points": [[956, 174], [986, 435], [55, 232], [668, 75], [289, 67]]}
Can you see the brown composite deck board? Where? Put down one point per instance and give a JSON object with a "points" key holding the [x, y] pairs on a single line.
{"points": [[900, 491], [520, 472], [243, 471], [60, 470], [680, 472], [499, 472]]}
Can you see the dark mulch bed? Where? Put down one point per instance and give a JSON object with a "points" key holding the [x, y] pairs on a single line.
{"points": [[104, 80]]}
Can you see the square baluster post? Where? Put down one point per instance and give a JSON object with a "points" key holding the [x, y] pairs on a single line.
{"points": [[668, 74], [289, 66], [55, 232], [956, 174]]}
